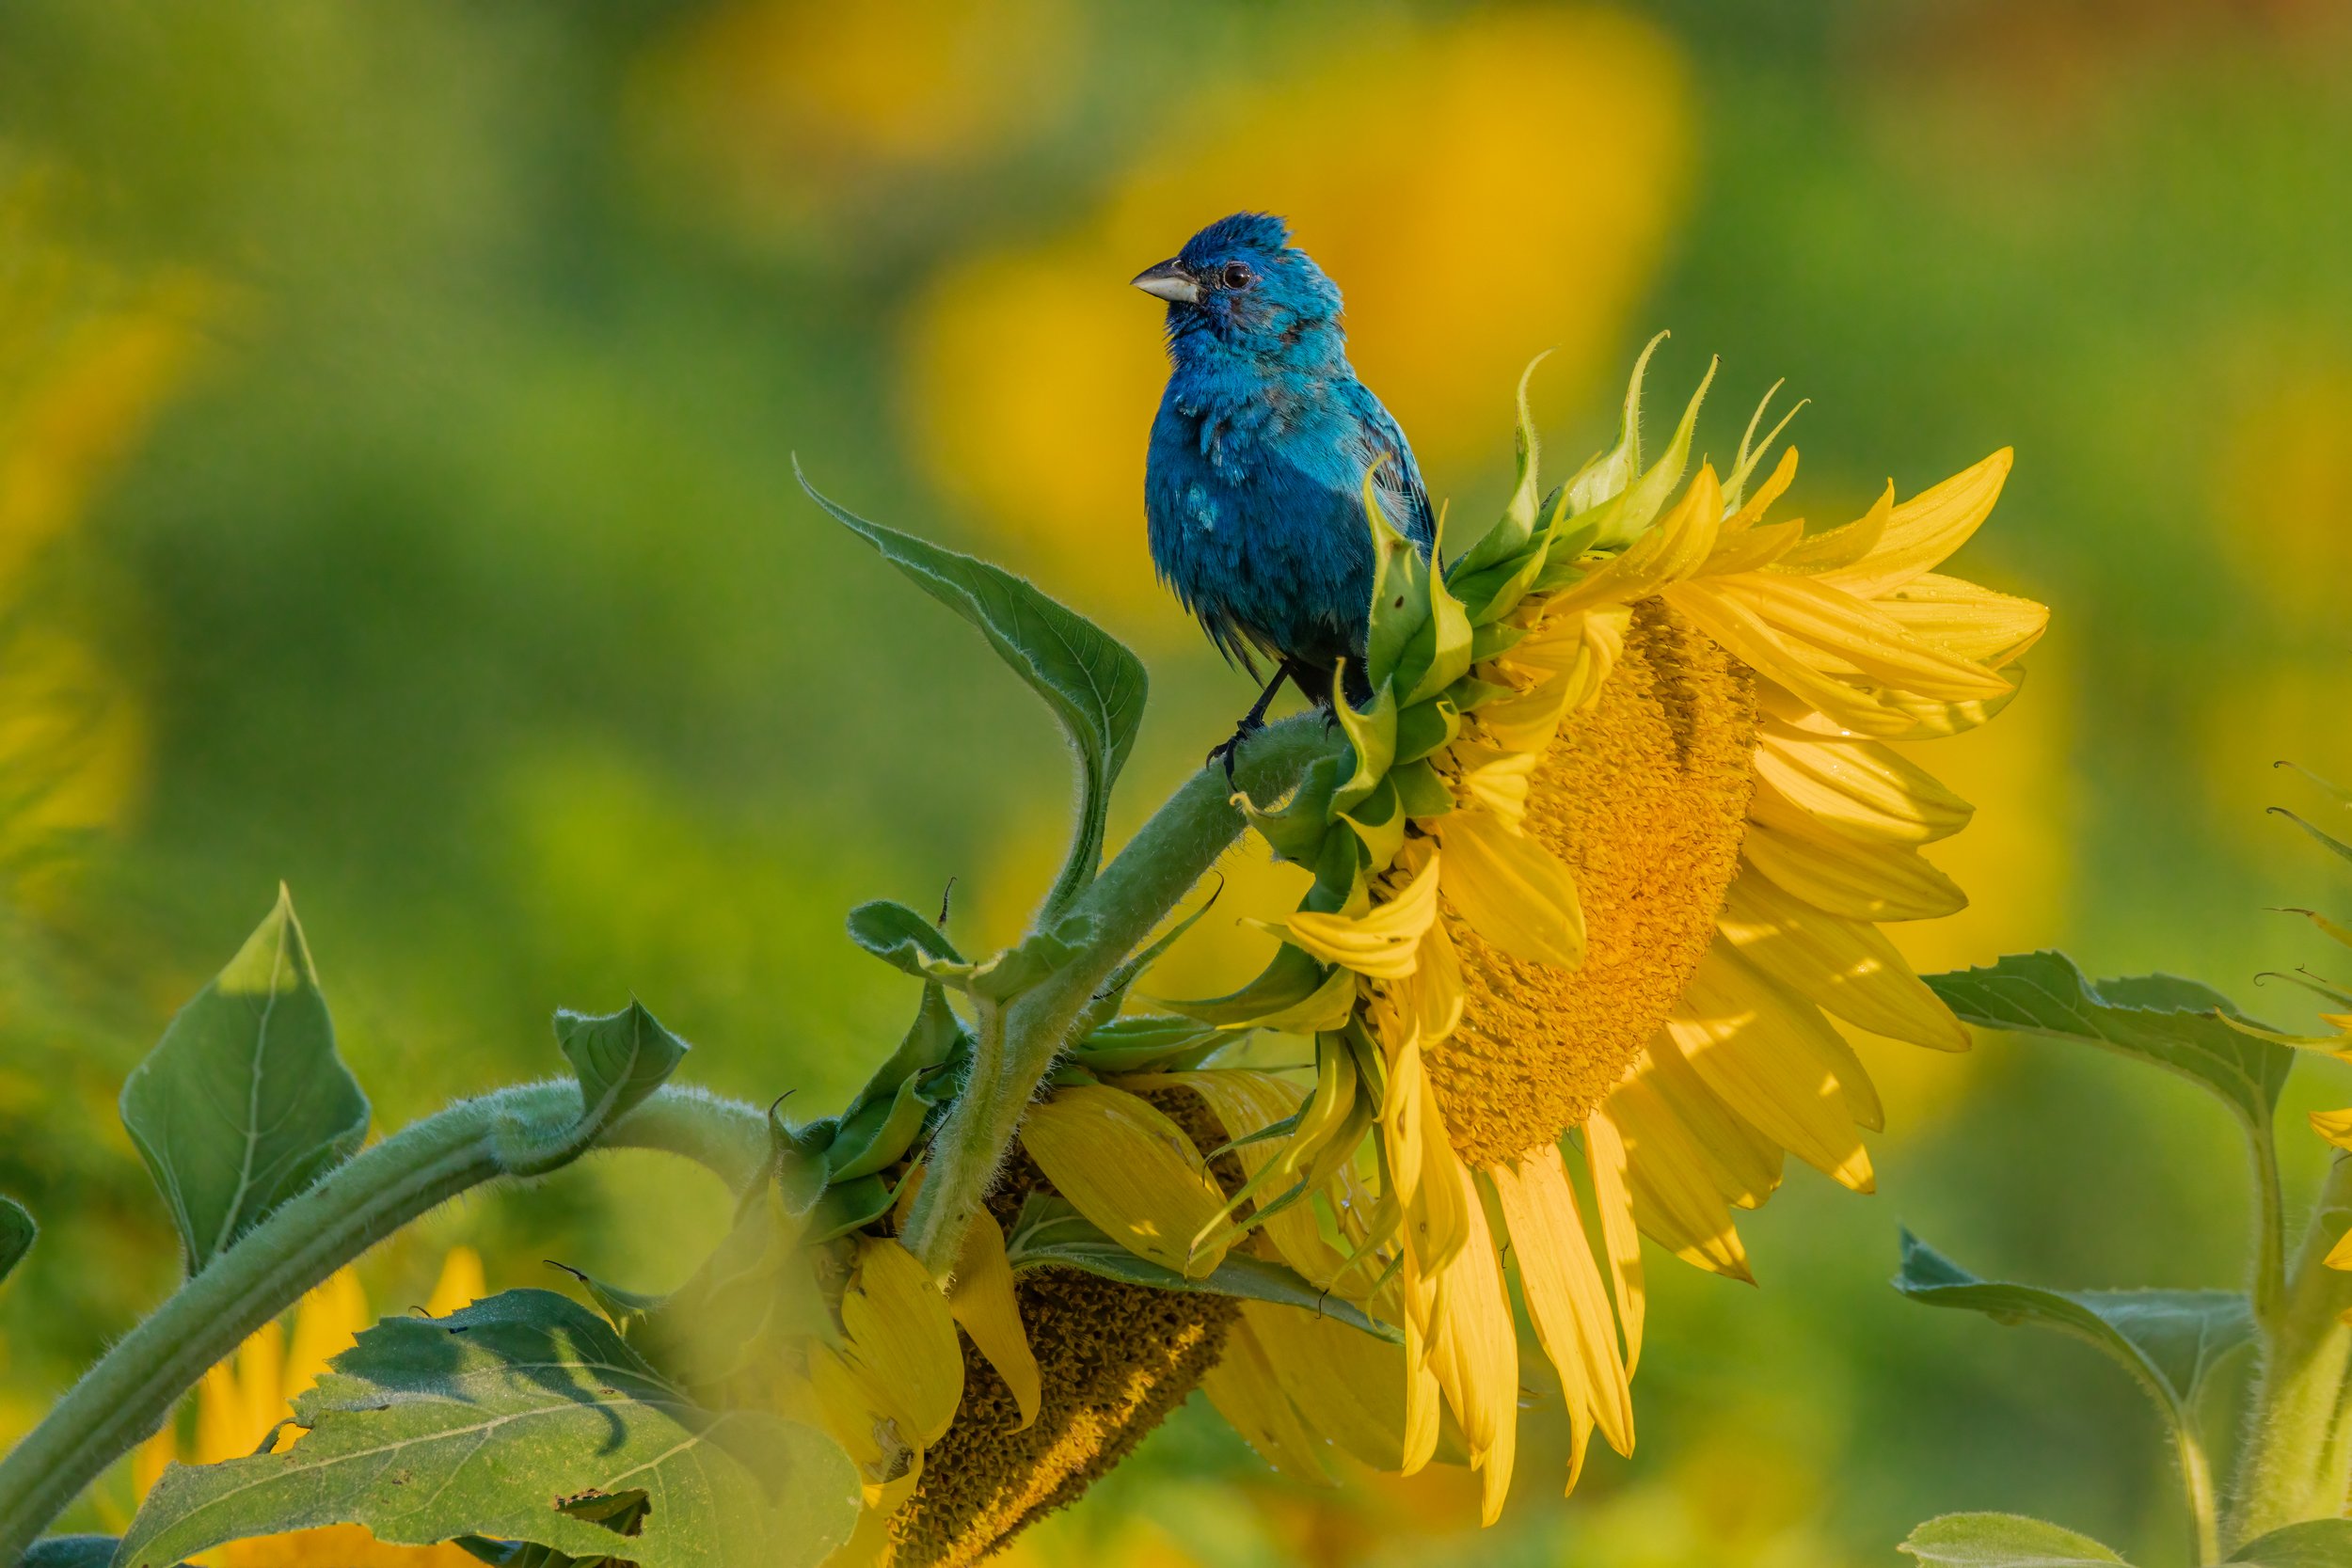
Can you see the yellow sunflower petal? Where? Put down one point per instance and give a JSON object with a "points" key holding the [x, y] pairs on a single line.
{"points": [[1847, 966], [1564, 1289], [1964, 619], [1674, 1200], [1675, 547], [1349, 1385], [982, 1300], [1474, 1353], [1845, 544], [1245, 1103], [1856, 787], [2334, 1126], [1604, 1156], [903, 1339], [1740, 630], [1924, 530], [1512, 889], [1384, 942], [1844, 877], [1772, 1062], [1247, 1392], [330, 1318], [1130, 1171], [1743, 1165], [1810, 613]]}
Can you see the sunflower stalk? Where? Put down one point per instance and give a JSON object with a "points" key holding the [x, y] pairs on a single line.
{"points": [[132, 1390], [1138, 889], [2298, 1458]]}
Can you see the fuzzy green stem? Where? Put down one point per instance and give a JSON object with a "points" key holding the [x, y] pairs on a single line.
{"points": [[130, 1392], [1136, 890], [2196, 1482], [2296, 1460], [2269, 1293]]}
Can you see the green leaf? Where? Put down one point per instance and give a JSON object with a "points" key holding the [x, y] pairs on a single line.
{"points": [[1289, 978], [2003, 1540], [2314, 1543], [929, 1042], [1104, 1006], [1048, 1231], [1095, 687], [619, 1059], [2171, 1341], [524, 1418], [900, 936], [1148, 1040], [244, 1103], [2173, 1022], [17, 1232], [879, 1133]]}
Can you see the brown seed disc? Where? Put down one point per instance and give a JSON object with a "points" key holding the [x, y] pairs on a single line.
{"points": [[1113, 1360], [1643, 796]]}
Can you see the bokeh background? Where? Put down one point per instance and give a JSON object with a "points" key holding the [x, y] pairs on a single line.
{"points": [[397, 414]]}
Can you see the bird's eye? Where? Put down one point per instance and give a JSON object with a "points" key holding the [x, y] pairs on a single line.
{"points": [[1236, 275]]}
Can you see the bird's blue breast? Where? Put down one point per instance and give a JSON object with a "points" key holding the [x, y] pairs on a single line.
{"points": [[1253, 496]]}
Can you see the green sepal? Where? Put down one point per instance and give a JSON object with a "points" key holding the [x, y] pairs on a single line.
{"points": [[1420, 790], [1379, 825], [1146, 1042], [1050, 1231], [929, 1040], [1564, 563], [624, 1309], [1504, 541], [1400, 593], [1608, 475], [1491, 594], [2318, 833], [1628, 515], [1470, 693], [1289, 977], [879, 1133], [847, 1206], [619, 1058], [1296, 829], [1423, 727], [1339, 886], [1439, 652], [1372, 735], [17, 1232], [1494, 638], [1067, 1074]]}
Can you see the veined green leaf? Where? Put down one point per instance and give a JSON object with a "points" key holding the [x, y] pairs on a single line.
{"points": [[619, 1059], [2314, 1543], [2173, 1022], [17, 1232], [2171, 1341], [524, 1418], [2003, 1540], [1049, 1232], [1093, 683], [244, 1103]]}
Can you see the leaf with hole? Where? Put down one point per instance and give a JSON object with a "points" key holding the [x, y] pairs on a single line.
{"points": [[524, 1418], [244, 1103], [2175, 1023], [1093, 683]]}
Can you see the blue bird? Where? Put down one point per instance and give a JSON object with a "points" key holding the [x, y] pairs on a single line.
{"points": [[1254, 487]]}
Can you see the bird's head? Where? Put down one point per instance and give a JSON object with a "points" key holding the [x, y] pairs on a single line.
{"points": [[1240, 281]]}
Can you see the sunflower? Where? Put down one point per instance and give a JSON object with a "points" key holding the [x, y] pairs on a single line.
{"points": [[1610, 849]]}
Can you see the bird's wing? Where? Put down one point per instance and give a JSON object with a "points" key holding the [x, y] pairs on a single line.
{"points": [[1398, 478]]}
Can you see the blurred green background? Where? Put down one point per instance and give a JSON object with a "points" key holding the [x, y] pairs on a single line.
{"points": [[397, 414]]}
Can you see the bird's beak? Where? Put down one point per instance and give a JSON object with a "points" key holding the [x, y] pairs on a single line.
{"points": [[1170, 281]]}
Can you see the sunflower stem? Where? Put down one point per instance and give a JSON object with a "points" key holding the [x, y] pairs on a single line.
{"points": [[2270, 1284], [130, 1392], [1134, 893], [2197, 1480], [2297, 1454]]}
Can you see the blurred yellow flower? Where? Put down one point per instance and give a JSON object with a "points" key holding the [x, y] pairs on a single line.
{"points": [[784, 110], [1481, 190], [241, 1402]]}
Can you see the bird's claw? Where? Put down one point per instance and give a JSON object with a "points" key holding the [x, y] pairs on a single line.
{"points": [[1229, 749]]}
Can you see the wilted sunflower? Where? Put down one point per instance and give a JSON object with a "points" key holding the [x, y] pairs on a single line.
{"points": [[1616, 833]]}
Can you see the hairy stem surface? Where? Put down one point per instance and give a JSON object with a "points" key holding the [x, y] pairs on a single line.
{"points": [[132, 1390], [1164, 860], [2295, 1462]]}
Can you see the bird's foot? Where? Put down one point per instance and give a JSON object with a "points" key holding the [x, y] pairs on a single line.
{"points": [[1230, 750]]}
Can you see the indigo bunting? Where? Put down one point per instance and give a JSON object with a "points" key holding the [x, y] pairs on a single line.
{"points": [[1254, 486]]}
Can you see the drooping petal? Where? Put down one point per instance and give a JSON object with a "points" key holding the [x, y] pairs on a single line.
{"points": [[1605, 1158], [1384, 942], [1130, 1171], [1349, 1385], [1843, 876], [1674, 1199], [1249, 1393], [1856, 787], [1847, 966], [1474, 1352], [1245, 1103], [1960, 618], [1564, 1293], [902, 1339], [1772, 1063], [982, 1300]]}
